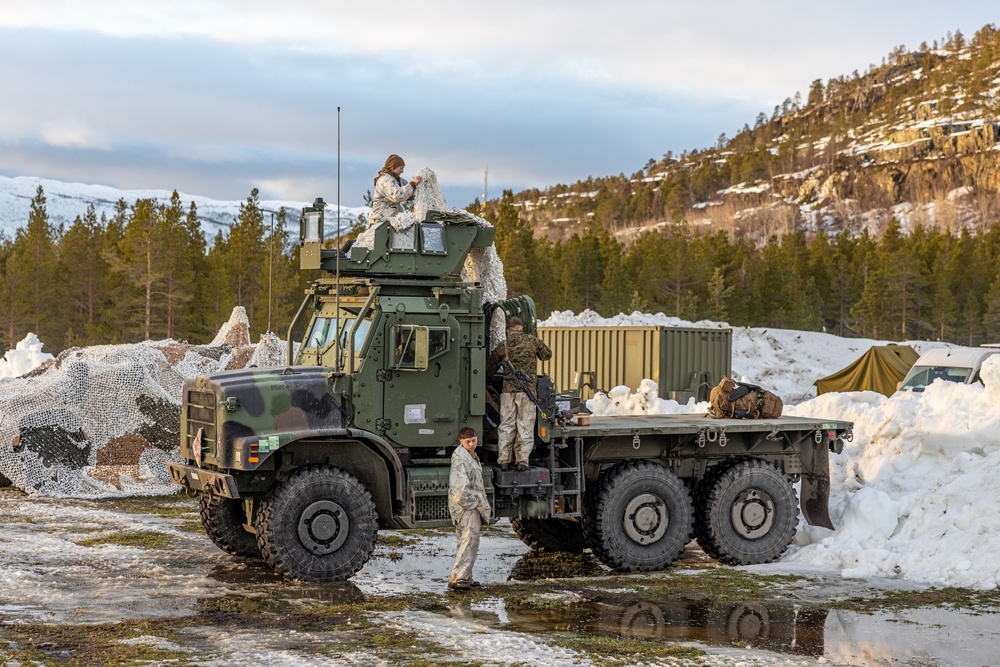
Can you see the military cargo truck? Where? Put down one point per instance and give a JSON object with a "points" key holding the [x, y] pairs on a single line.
{"points": [[301, 465]]}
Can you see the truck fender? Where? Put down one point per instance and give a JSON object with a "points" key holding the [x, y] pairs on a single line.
{"points": [[367, 457]]}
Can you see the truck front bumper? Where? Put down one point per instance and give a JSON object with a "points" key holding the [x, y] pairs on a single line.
{"points": [[208, 482]]}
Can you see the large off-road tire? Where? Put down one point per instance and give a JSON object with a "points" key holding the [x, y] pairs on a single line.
{"points": [[223, 521], [746, 513], [640, 517], [550, 534], [318, 523]]}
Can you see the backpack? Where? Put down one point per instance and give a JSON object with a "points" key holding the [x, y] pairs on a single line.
{"points": [[740, 400]]}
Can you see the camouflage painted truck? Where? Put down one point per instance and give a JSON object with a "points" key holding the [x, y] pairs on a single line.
{"points": [[301, 465]]}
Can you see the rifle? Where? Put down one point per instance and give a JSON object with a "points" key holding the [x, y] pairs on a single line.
{"points": [[520, 380]]}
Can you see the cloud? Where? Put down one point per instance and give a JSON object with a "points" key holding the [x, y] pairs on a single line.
{"points": [[214, 97]]}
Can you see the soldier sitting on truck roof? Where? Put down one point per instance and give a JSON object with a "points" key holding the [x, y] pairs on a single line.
{"points": [[387, 204], [517, 412]]}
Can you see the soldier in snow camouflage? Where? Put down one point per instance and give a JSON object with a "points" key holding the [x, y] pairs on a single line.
{"points": [[517, 412]]}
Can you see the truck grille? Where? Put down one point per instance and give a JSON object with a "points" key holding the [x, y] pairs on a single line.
{"points": [[200, 413]]}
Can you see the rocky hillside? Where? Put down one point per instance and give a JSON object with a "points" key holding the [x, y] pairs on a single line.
{"points": [[915, 139]]}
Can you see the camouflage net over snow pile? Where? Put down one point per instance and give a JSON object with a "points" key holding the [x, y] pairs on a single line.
{"points": [[103, 421]]}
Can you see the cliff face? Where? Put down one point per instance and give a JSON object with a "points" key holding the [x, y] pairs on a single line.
{"points": [[916, 139]]}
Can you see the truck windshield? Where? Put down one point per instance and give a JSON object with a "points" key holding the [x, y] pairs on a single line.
{"points": [[921, 376], [359, 335], [324, 330]]}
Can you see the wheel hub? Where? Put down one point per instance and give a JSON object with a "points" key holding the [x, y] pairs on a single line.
{"points": [[645, 519], [323, 527], [753, 514]]}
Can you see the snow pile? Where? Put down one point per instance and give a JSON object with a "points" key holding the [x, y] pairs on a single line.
{"points": [[645, 401], [589, 318], [914, 496], [103, 421], [26, 356]]}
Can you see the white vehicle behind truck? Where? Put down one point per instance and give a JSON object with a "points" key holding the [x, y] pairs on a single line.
{"points": [[951, 364]]}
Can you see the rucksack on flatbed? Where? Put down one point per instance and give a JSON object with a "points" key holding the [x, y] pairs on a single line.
{"points": [[740, 400]]}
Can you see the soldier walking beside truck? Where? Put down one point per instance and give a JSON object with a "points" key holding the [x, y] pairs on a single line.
{"points": [[517, 412], [468, 506]]}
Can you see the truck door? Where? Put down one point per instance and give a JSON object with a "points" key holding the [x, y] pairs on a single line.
{"points": [[423, 384]]}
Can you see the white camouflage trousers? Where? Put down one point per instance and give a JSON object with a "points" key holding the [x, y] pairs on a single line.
{"points": [[467, 524], [517, 413]]}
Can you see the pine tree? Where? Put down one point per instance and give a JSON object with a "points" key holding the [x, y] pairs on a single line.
{"points": [[244, 258], [515, 245], [8, 304], [141, 263], [112, 322], [85, 269], [31, 271]]}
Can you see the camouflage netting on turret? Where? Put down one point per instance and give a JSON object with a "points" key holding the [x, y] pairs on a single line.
{"points": [[103, 421], [483, 265]]}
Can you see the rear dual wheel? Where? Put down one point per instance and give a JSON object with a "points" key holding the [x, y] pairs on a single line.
{"points": [[746, 512], [640, 517]]}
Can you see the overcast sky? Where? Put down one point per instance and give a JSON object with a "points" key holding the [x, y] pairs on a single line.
{"points": [[215, 97]]}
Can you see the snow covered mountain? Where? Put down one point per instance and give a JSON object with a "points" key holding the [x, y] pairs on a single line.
{"points": [[66, 201]]}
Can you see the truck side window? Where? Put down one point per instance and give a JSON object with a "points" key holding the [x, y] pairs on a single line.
{"points": [[407, 350], [437, 343]]}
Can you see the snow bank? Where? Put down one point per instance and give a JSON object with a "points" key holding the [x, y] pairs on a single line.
{"points": [[914, 496], [589, 318]]}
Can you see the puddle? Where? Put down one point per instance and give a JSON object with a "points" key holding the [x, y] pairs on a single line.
{"points": [[49, 574]]}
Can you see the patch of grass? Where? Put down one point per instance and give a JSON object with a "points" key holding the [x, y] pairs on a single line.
{"points": [[612, 651], [949, 598], [88, 645], [555, 565], [173, 506], [139, 538], [395, 540], [192, 527]]}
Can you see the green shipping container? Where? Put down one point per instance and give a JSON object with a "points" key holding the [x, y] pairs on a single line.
{"points": [[684, 363]]}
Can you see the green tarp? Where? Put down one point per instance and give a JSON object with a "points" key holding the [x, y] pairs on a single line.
{"points": [[879, 369]]}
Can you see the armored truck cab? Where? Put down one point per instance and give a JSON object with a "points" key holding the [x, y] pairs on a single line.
{"points": [[300, 465]]}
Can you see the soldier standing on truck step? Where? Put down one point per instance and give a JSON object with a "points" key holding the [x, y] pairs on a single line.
{"points": [[517, 412], [468, 506]]}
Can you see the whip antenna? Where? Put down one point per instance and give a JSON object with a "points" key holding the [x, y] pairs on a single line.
{"points": [[337, 304]]}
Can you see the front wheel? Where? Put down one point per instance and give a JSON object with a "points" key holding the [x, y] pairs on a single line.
{"points": [[640, 518], [317, 524], [223, 520], [747, 514]]}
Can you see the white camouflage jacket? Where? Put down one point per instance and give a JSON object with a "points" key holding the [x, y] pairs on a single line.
{"points": [[465, 486], [388, 198]]}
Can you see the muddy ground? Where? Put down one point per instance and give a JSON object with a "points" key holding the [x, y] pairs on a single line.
{"points": [[136, 582]]}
